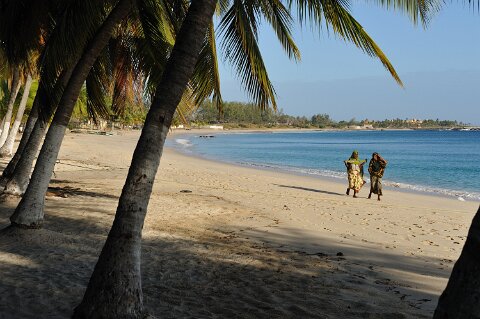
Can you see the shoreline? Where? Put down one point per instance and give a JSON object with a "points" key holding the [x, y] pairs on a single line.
{"points": [[410, 189], [340, 184], [221, 240]]}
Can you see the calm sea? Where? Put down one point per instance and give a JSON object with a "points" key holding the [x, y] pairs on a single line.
{"points": [[440, 162]]}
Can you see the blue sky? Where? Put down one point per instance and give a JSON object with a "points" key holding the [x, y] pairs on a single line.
{"points": [[440, 67]]}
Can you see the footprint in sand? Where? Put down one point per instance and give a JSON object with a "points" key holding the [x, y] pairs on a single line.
{"points": [[429, 242]]}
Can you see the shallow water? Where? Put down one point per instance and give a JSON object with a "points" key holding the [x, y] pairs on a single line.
{"points": [[441, 162]]}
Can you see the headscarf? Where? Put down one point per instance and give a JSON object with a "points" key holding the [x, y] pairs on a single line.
{"points": [[353, 160]]}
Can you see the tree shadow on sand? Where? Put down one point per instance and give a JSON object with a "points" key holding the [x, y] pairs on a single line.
{"points": [[217, 271], [309, 189]]}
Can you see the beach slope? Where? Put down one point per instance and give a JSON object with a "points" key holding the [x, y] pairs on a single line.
{"points": [[222, 241]]}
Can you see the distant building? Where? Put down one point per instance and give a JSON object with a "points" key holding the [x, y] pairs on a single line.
{"points": [[414, 121]]}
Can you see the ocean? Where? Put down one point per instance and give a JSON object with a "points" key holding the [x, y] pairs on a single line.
{"points": [[437, 162]]}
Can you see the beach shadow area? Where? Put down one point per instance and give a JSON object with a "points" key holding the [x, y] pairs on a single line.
{"points": [[309, 189], [206, 268]]}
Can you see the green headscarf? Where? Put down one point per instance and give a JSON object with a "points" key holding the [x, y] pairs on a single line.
{"points": [[353, 160]]}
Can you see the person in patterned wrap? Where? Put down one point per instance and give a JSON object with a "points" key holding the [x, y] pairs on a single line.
{"points": [[355, 173], [376, 168]]}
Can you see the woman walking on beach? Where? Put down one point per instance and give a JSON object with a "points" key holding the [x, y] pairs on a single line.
{"points": [[376, 168], [355, 173]]}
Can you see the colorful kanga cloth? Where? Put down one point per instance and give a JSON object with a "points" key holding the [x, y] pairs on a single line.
{"points": [[355, 180], [376, 168], [376, 185], [354, 171]]}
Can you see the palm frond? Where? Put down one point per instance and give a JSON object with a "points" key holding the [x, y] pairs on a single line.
{"points": [[185, 108], [157, 25], [344, 25], [21, 25], [417, 10], [239, 31], [70, 32], [280, 19], [205, 80], [152, 50], [96, 82], [222, 7]]}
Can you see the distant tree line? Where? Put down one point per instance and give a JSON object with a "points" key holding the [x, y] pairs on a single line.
{"points": [[247, 115]]}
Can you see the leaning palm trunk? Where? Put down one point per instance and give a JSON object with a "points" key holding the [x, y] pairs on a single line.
{"points": [[32, 118], [7, 148], [1, 125], [29, 212], [11, 101], [16, 181], [115, 289], [460, 299]]}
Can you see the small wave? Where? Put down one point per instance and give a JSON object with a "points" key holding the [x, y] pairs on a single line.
{"points": [[460, 195], [305, 171], [184, 142]]}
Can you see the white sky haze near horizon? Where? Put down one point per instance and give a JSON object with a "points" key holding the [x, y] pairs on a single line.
{"points": [[439, 66]]}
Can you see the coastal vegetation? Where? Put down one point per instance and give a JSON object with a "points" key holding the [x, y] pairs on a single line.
{"points": [[247, 115], [89, 50], [232, 115]]}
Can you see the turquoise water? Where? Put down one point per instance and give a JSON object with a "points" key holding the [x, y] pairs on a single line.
{"points": [[441, 162]]}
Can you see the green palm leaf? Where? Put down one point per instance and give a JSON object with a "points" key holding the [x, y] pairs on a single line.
{"points": [[344, 25], [239, 31], [280, 19], [95, 83], [205, 80]]}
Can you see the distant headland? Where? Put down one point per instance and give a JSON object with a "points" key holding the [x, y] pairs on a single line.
{"points": [[238, 115]]}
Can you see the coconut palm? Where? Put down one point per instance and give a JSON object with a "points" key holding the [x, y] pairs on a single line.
{"points": [[16, 175], [32, 118], [14, 88], [22, 35], [114, 290], [32, 203], [20, 31], [7, 148], [31, 206], [17, 182]]}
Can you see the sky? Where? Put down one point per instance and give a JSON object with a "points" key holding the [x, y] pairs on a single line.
{"points": [[439, 66]]}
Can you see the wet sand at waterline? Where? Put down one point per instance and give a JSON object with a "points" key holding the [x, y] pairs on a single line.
{"points": [[222, 241]]}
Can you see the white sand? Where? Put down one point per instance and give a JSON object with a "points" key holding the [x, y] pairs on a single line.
{"points": [[243, 243]]}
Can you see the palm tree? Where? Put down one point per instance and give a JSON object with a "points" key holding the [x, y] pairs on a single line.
{"points": [[29, 212], [19, 181], [14, 88], [22, 35], [7, 148], [114, 290], [16, 175], [32, 118], [20, 31], [460, 297], [21, 163]]}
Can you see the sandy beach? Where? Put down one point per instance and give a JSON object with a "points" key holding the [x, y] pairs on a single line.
{"points": [[224, 241]]}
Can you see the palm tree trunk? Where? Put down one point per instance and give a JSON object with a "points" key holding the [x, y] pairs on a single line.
{"points": [[19, 181], [1, 125], [115, 288], [29, 212], [32, 118], [7, 148], [16, 181], [461, 297], [11, 101]]}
